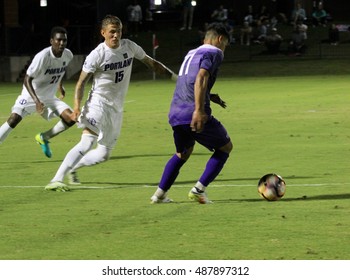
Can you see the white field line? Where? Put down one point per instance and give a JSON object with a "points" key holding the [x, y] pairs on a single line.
{"points": [[179, 186]]}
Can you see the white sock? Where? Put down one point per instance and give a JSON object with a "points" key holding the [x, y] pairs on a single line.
{"points": [[95, 156], [54, 131], [199, 186], [160, 193], [74, 156], [5, 130]]}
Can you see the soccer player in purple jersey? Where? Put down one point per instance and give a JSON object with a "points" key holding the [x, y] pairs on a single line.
{"points": [[191, 119]]}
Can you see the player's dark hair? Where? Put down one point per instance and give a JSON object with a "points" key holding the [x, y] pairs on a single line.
{"points": [[219, 29], [57, 29]]}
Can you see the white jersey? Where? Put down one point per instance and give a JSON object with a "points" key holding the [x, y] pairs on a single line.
{"points": [[112, 71], [47, 71]]}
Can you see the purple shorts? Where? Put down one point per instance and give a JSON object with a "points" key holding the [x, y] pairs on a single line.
{"points": [[213, 136]]}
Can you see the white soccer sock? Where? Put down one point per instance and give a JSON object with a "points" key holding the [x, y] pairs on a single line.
{"points": [[95, 156], [160, 193], [5, 130], [199, 186], [54, 131], [74, 156]]}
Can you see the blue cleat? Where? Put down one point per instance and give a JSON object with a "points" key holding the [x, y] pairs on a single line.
{"points": [[44, 144]]}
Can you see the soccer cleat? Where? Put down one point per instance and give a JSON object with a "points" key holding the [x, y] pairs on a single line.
{"points": [[155, 199], [44, 144], [57, 186], [200, 197], [73, 178]]}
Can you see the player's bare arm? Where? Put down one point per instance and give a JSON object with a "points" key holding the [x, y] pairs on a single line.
{"points": [[199, 117], [159, 67], [79, 93], [61, 90], [29, 86]]}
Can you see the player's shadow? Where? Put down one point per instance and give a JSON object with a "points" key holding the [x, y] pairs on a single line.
{"points": [[179, 183], [151, 184], [139, 156], [341, 196]]}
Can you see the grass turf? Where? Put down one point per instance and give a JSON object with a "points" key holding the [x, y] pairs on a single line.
{"points": [[294, 126]]}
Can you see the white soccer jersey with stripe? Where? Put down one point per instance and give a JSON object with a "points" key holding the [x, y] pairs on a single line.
{"points": [[112, 71], [47, 71]]}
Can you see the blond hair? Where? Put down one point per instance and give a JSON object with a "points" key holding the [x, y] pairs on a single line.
{"points": [[110, 19]]}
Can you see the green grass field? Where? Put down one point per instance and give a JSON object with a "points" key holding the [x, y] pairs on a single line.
{"points": [[295, 126]]}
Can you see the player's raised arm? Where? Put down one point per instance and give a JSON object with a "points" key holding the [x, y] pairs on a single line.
{"points": [[159, 67]]}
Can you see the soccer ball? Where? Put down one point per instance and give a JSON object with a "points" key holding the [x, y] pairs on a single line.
{"points": [[271, 187]]}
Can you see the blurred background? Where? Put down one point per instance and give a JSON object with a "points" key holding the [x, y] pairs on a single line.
{"points": [[25, 26]]}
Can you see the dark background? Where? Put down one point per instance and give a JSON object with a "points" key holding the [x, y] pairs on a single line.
{"points": [[82, 17]]}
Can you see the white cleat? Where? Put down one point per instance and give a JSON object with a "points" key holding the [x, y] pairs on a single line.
{"points": [[155, 199], [199, 197]]}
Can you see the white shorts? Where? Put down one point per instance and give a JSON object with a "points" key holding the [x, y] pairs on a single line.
{"points": [[103, 119], [25, 106]]}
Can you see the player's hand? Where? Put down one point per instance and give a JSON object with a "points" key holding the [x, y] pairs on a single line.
{"points": [[198, 121], [216, 99], [75, 115], [40, 107], [62, 92], [62, 95]]}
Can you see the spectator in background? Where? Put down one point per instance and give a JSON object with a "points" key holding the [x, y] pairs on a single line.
{"points": [[297, 44], [187, 14], [134, 12], [263, 14], [261, 31], [246, 33], [275, 14], [303, 28], [230, 30], [298, 14], [220, 14], [149, 22], [202, 31], [249, 16], [273, 42], [319, 16], [333, 35]]}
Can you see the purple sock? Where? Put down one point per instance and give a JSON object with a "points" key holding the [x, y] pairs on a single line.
{"points": [[214, 166], [171, 170]]}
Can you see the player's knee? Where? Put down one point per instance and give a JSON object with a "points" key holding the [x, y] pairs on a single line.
{"points": [[104, 153], [185, 155], [86, 143], [227, 148]]}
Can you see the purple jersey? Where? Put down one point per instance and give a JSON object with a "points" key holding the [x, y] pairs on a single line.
{"points": [[182, 106]]}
